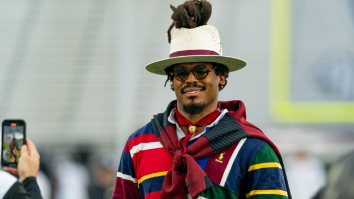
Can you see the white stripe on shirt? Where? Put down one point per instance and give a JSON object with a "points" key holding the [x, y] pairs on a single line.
{"points": [[231, 162], [145, 146], [126, 177]]}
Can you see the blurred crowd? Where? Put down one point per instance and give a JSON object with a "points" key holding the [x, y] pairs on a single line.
{"points": [[79, 175]]}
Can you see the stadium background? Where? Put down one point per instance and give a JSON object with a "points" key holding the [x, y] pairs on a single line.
{"points": [[74, 71]]}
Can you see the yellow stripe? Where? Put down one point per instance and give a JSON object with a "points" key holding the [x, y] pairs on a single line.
{"points": [[264, 165], [274, 192], [152, 176]]}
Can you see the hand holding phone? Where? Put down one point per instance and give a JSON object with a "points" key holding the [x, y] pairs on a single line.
{"points": [[28, 166]]}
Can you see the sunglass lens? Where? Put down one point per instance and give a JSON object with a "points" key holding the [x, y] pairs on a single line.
{"points": [[181, 73], [201, 72]]}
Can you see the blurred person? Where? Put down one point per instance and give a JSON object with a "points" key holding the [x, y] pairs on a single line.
{"points": [[104, 178], [72, 179], [306, 174], [199, 147], [44, 174], [4, 154], [27, 169], [18, 145], [340, 180], [44, 184]]}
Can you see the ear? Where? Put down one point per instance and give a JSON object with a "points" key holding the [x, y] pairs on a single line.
{"points": [[222, 79], [172, 86]]}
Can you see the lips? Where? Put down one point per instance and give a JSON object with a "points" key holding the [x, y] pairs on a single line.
{"points": [[192, 90]]}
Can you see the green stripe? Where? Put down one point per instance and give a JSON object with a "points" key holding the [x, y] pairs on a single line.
{"points": [[265, 155], [267, 196], [217, 191]]}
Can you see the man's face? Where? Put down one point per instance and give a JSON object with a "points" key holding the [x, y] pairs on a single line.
{"points": [[192, 92]]}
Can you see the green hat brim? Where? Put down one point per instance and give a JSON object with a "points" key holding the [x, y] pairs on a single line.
{"points": [[158, 67]]}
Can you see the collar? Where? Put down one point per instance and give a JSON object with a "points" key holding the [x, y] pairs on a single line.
{"points": [[180, 134]]}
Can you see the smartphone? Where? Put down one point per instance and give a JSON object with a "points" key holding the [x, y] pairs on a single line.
{"points": [[13, 137]]}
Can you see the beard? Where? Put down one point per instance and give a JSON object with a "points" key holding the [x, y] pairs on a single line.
{"points": [[194, 108]]}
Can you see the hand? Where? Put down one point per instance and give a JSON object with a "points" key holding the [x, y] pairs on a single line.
{"points": [[28, 164]]}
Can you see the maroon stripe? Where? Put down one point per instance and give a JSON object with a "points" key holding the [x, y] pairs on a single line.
{"points": [[125, 189], [216, 165], [126, 148], [193, 52]]}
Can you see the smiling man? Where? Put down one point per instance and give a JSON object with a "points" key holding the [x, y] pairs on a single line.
{"points": [[199, 147]]}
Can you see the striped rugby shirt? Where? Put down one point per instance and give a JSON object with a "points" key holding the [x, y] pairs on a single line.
{"points": [[249, 168]]}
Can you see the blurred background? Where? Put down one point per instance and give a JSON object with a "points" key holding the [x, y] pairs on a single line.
{"points": [[75, 72]]}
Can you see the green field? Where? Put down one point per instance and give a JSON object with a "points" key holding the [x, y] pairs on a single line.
{"points": [[7, 146]]}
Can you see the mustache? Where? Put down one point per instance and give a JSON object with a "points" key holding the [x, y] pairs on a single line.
{"points": [[192, 86]]}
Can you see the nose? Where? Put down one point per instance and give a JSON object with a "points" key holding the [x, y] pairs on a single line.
{"points": [[191, 79]]}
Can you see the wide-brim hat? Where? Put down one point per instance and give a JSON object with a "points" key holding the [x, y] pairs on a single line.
{"points": [[200, 44]]}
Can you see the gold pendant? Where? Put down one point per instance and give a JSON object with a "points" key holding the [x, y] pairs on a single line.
{"points": [[192, 129]]}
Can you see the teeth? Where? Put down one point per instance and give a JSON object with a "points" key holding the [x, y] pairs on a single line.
{"points": [[193, 92]]}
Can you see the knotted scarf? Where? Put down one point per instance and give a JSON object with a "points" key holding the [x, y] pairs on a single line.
{"points": [[186, 170]]}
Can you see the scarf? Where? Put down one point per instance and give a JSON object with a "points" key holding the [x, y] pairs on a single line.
{"points": [[186, 176]]}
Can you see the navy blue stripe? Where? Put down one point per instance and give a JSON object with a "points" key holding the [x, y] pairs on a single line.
{"points": [[151, 185], [126, 165], [265, 179], [147, 129], [242, 162]]}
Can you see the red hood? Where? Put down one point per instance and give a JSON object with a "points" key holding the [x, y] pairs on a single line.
{"points": [[236, 108]]}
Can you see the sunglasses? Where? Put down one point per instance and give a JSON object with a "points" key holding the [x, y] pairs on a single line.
{"points": [[200, 72]]}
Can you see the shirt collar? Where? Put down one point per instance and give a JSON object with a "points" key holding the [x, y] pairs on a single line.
{"points": [[180, 134]]}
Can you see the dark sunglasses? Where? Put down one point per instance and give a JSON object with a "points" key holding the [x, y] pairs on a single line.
{"points": [[200, 72]]}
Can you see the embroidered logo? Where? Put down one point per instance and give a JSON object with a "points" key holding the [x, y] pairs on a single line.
{"points": [[220, 158]]}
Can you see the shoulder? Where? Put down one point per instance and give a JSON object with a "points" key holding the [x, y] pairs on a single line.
{"points": [[143, 131], [142, 139], [253, 145]]}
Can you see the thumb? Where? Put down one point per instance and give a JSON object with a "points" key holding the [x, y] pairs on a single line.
{"points": [[24, 151]]}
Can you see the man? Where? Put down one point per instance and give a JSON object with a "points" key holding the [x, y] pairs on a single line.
{"points": [[199, 147]]}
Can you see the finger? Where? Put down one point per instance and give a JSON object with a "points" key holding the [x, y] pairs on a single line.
{"points": [[31, 147], [11, 170], [24, 151]]}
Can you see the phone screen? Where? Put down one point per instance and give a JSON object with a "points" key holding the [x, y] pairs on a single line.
{"points": [[13, 137]]}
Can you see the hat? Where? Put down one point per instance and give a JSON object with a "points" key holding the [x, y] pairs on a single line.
{"points": [[200, 44]]}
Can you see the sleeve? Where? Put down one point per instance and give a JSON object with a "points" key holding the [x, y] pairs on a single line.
{"points": [[31, 186], [265, 178], [126, 183], [17, 191]]}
